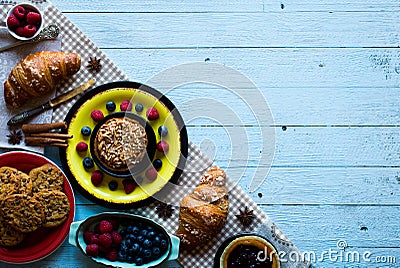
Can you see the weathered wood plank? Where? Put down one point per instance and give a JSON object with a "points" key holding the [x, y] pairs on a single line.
{"points": [[225, 6], [319, 227], [302, 69], [315, 186], [332, 87], [193, 30], [302, 146]]}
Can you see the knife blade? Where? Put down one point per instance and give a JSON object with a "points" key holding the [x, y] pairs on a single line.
{"points": [[22, 117]]}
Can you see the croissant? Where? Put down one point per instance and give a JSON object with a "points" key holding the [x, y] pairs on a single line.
{"points": [[203, 212], [38, 74]]}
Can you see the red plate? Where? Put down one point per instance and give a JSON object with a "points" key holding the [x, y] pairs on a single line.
{"points": [[44, 241]]}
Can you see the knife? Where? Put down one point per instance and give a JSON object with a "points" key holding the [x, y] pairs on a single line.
{"points": [[22, 117]]}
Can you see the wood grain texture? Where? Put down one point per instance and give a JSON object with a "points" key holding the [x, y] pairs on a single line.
{"points": [[330, 74], [298, 69], [254, 30], [209, 6]]}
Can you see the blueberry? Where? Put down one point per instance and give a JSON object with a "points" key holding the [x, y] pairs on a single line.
{"points": [[163, 244], [139, 180], [156, 252], [147, 253], [135, 230], [122, 232], [110, 106], [129, 229], [151, 235], [140, 239], [163, 131], [147, 243], [135, 248], [138, 261], [132, 237], [130, 259], [121, 256], [113, 185], [124, 246], [88, 163], [139, 108], [157, 164], [86, 131], [144, 232], [156, 241]]}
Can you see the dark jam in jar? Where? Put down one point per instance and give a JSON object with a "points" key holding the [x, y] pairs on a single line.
{"points": [[248, 256]]}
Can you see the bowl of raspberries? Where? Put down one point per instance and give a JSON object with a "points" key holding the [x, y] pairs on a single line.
{"points": [[124, 240], [24, 21]]}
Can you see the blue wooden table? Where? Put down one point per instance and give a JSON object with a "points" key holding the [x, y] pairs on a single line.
{"points": [[330, 74]]}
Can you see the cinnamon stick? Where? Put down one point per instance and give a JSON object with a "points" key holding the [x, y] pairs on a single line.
{"points": [[42, 140], [37, 128], [50, 144], [51, 135]]}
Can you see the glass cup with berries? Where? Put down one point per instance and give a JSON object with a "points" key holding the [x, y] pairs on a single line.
{"points": [[24, 21]]}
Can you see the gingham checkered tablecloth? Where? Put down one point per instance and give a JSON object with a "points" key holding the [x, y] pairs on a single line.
{"points": [[197, 163]]}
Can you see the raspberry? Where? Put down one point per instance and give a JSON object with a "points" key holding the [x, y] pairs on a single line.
{"points": [[151, 174], [33, 18], [114, 223], [152, 113], [105, 240], [129, 185], [20, 31], [163, 146], [112, 255], [126, 106], [105, 227], [95, 239], [116, 238], [13, 22], [103, 250], [81, 147], [19, 12], [87, 236], [97, 115], [96, 178], [97, 228], [92, 250], [29, 30]]}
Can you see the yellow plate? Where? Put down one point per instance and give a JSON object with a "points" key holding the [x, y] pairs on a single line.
{"points": [[173, 161]]}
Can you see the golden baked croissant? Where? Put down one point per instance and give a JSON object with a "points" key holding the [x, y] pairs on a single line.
{"points": [[203, 212], [38, 74]]}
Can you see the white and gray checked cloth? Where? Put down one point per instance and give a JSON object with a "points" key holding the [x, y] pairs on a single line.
{"points": [[74, 40]]}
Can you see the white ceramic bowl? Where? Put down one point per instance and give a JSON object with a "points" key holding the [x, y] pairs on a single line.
{"points": [[26, 6], [77, 230]]}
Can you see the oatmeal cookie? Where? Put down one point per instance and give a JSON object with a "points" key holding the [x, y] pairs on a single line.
{"points": [[8, 235], [56, 207], [9, 183], [46, 177], [25, 186], [23, 212]]}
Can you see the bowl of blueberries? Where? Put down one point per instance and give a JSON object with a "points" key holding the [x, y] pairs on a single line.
{"points": [[120, 239]]}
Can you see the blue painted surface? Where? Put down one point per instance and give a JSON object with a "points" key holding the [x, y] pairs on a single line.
{"points": [[330, 74]]}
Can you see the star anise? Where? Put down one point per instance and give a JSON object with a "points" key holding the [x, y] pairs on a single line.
{"points": [[94, 64], [14, 137], [246, 216], [164, 210]]}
